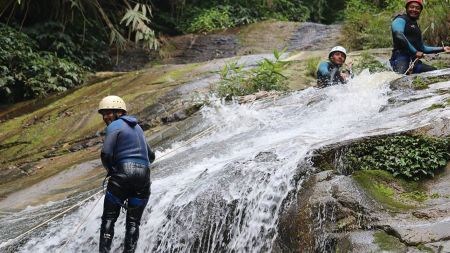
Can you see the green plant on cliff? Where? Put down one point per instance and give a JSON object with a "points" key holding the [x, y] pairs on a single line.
{"points": [[236, 81], [207, 20], [367, 23], [407, 156], [368, 61], [312, 65], [27, 73]]}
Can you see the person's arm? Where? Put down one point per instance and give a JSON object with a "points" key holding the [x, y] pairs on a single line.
{"points": [[107, 153], [151, 154], [323, 70], [432, 50], [323, 75], [398, 28]]}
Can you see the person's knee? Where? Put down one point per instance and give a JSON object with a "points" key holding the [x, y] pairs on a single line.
{"points": [[421, 68], [400, 66]]}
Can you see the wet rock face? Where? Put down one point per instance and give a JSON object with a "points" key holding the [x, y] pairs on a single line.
{"points": [[199, 48], [327, 206], [312, 36], [421, 81]]}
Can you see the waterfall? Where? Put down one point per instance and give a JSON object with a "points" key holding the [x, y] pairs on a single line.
{"points": [[225, 191]]}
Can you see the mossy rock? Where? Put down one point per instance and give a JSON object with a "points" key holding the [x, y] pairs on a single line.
{"points": [[388, 243], [393, 193]]}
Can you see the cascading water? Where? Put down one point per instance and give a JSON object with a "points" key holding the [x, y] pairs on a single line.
{"points": [[225, 191]]}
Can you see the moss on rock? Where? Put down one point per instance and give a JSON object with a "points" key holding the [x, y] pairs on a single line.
{"points": [[388, 242]]}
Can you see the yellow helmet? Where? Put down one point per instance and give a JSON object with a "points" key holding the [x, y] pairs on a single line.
{"points": [[113, 103]]}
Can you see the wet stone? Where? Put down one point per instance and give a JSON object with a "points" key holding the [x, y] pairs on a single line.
{"points": [[414, 234]]}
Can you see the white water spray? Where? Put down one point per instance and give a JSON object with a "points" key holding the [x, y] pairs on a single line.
{"points": [[224, 192]]}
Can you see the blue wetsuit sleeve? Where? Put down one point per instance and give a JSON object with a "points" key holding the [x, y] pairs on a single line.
{"points": [[431, 50], [398, 28], [107, 154], [323, 70]]}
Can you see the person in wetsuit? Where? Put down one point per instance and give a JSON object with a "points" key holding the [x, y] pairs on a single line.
{"points": [[329, 72], [126, 156], [408, 42]]}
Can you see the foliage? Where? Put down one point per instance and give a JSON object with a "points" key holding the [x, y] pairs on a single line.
{"points": [[420, 83], [237, 81], [368, 61], [208, 16], [311, 66], [121, 20], [27, 73], [434, 22], [325, 11], [410, 157], [207, 20], [87, 48], [366, 23], [418, 196]]}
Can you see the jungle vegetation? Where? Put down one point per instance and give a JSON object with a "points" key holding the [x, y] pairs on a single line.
{"points": [[48, 45]]}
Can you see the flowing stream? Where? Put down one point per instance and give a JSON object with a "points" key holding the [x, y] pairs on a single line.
{"points": [[225, 190]]}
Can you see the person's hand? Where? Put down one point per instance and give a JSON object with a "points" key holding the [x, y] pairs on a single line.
{"points": [[447, 49], [345, 76], [419, 54], [349, 64]]}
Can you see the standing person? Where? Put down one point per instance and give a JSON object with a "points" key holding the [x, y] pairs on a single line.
{"points": [[329, 72], [127, 157], [408, 43]]}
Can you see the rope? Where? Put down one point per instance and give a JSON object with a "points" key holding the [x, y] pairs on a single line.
{"points": [[411, 66], [196, 137], [81, 223], [51, 219]]}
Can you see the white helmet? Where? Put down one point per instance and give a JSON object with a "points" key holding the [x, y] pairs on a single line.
{"points": [[112, 102], [337, 49]]}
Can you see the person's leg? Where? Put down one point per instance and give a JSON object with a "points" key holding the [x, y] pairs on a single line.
{"points": [[136, 206], [111, 211], [421, 68], [400, 65], [134, 215]]}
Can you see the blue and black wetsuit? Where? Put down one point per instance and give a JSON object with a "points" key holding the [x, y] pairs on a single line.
{"points": [[407, 39], [127, 157], [329, 74]]}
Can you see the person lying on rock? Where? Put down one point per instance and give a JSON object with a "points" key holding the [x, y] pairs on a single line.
{"points": [[329, 72], [126, 156], [408, 43]]}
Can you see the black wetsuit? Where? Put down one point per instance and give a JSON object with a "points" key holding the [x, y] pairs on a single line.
{"points": [[407, 38], [127, 157]]}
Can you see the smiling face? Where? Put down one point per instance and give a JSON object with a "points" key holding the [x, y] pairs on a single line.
{"points": [[338, 58], [108, 115], [413, 10]]}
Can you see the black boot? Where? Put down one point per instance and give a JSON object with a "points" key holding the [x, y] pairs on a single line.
{"points": [[106, 235], [134, 214], [111, 212], [131, 237]]}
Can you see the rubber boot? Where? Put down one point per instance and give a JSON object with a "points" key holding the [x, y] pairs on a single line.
{"points": [[106, 236], [134, 214], [131, 237]]}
